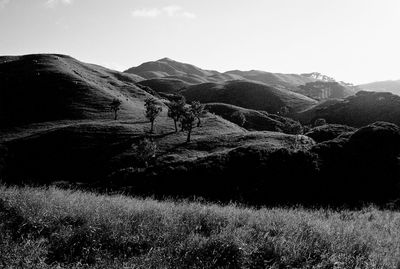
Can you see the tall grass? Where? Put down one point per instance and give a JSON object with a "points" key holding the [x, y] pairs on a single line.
{"points": [[54, 228]]}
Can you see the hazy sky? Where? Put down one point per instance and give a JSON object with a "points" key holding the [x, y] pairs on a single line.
{"points": [[352, 40]]}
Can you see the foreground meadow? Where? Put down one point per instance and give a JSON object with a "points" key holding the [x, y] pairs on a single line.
{"points": [[54, 228]]}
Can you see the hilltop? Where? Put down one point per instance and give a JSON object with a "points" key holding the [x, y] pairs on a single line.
{"points": [[392, 86]]}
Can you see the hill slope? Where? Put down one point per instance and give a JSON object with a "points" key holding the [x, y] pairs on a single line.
{"points": [[39, 88], [392, 86], [249, 95], [359, 110]]}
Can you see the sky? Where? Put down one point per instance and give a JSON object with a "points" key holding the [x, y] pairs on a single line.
{"points": [[356, 41]]}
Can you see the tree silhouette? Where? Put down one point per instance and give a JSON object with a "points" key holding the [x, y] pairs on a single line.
{"points": [[175, 110], [145, 151], [115, 106], [319, 122], [153, 109], [187, 121], [198, 111], [239, 118]]}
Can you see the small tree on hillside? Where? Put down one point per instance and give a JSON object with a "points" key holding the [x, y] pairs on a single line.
{"points": [[115, 106], [187, 120], [176, 110], [319, 122], [283, 111], [145, 151], [153, 109], [239, 118], [198, 111]]}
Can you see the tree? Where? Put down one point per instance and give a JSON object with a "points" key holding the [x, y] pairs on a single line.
{"points": [[239, 118], [153, 109], [115, 106], [175, 110], [319, 122], [187, 121], [145, 151], [283, 111], [198, 111]]}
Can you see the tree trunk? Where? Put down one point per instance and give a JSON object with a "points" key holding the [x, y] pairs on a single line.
{"points": [[152, 127], [198, 122], [176, 127], [115, 115], [188, 136]]}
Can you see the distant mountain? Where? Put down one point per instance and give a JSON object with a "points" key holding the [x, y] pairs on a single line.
{"points": [[247, 94], [392, 86], [165, 85], [358, 110], [166, 68], [318, 76]]}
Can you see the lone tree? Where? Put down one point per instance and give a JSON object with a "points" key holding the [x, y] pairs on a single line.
{"points": [[153, 109], [239, 118], [115, 106], [175, 110], [145, 151], [198, 111], [187, 120], [319, 122], [283, 111]]}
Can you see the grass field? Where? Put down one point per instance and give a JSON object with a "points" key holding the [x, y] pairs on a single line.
{"points": [[54, 228]]}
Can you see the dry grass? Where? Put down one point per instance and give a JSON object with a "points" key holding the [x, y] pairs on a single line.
{"points": [[53, 228]]}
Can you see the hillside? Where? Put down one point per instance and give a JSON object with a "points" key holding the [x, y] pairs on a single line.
{"points": [[56, 123], [249, 95], [167, 68], [255, 119], [40, 88], [358, 110], [165, 85], [392, 86]]}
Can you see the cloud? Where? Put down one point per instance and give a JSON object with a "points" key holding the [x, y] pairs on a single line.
{"points": [[146, 13], [3, 3], [53, 3], [170, 11]]}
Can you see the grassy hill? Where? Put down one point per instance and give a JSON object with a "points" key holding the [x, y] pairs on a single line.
{"points": [[359, 110], [56, 123], [249, 95], [54, 228], [392, 86], [167, 68], [165, 85], [255, 119], [313, 85], [39, 88]]}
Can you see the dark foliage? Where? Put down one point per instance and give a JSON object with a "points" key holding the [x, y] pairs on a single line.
{"points": [[328, 132]]}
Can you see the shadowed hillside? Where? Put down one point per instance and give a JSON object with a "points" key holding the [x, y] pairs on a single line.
{"points": [[249, 95], [165, 85], [255, 119], [359, 110], [39, 88]]}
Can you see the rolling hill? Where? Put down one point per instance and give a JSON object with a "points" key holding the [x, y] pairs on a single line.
{"points": [[314, 85], [392, 86], [249, 95], [56, 124], [358, 110]]}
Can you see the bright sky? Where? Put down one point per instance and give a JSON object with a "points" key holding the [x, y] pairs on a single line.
{"points": [[352, 40]]}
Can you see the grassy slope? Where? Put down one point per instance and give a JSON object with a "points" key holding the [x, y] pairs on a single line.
{"points": [[358, 110], [46, 228], [249, 95], [392, 86], [76, 137]]}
